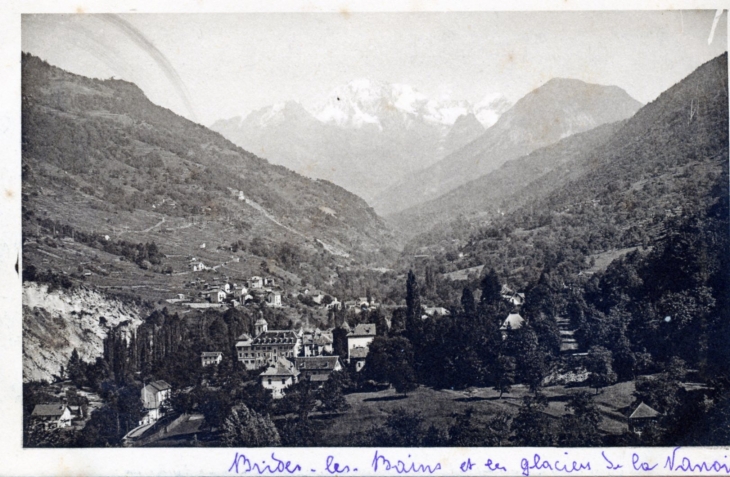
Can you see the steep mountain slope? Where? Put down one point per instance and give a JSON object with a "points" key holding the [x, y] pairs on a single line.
{"points": [[557, 109], [366, 135], [57, 322], [94, 150], [504, 190], [665, 165]]}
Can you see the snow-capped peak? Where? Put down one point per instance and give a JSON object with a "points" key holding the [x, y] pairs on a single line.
{"points": [[364, 102], [490, 108]]}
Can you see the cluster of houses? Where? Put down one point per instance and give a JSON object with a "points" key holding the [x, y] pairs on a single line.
{"points": [[219, 292], [290, 356]]}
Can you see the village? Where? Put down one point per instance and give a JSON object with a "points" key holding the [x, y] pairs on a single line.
{"points": [[287, 356]]}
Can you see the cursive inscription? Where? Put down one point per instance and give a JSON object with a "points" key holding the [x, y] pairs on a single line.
{"points": [[244, 465], [402, 466], [557, 466], [685, 464]]}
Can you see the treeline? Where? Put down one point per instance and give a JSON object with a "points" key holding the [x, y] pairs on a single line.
{"points": [[465, 348]]}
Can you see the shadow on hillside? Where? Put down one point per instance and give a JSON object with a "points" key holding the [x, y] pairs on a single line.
{"points": [[473, 399], [491, 398], [385, 398]]}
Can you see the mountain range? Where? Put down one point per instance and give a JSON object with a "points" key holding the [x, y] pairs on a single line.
{"points": [[555, 110], [365, 136]]}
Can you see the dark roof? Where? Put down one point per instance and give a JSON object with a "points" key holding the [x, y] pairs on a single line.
{"points": [[159, 385], [49, 410], [363, 329], [359, 352], [276, 337], [211, 354], [643, 411], [316, 362]]}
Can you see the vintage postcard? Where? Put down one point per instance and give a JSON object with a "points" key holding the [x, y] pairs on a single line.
{"points": [[341, 239]]}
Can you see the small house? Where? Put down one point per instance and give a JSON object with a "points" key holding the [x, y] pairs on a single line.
{"points": [[436, 310], [217, 296], [513, 322], [273, 299], [360, 337], [279, 376], [154, 396], [317, 368], [317, 297], [358, 356], [256, 282], [52, 416], [642, 416], [211, 357]]}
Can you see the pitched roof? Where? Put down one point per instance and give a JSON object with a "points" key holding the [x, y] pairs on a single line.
{"points": [[283, 367], [316, 362], [359, 352], [49, 410], [514, 320], [323, 340], [363, 329], [159, 385], [643, 411]]}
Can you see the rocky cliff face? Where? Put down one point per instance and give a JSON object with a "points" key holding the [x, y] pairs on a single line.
{"points": [[54, 323]]}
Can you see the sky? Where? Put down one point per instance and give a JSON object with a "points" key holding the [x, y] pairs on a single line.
{"points": [[214, 66]]}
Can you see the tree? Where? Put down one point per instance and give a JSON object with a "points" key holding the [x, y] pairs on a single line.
{"points": [[244, 427], [491, 288], [467, 432], [529, 355], [330, 394], [468, 305], [504, 374], [598, 363], [413, 305], [531, 427], [580, 427], [389, 360], [339, 342], [403, 378], [402, 428], [296, 433], [76, 369]]}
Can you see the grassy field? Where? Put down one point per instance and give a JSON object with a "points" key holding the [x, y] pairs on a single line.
{"points": [[370, 410]]}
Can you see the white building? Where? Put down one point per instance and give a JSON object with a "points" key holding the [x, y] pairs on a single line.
{"points": [[359, 339], [52, 416], [154, 396], [273, 299], [266, 347], [211, 357], [279, 376]]}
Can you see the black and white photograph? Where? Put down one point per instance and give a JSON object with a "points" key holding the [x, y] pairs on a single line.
{"points": [[413, 229]]}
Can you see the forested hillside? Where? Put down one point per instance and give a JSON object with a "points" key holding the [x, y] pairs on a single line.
{"points": [[665, 165]]}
